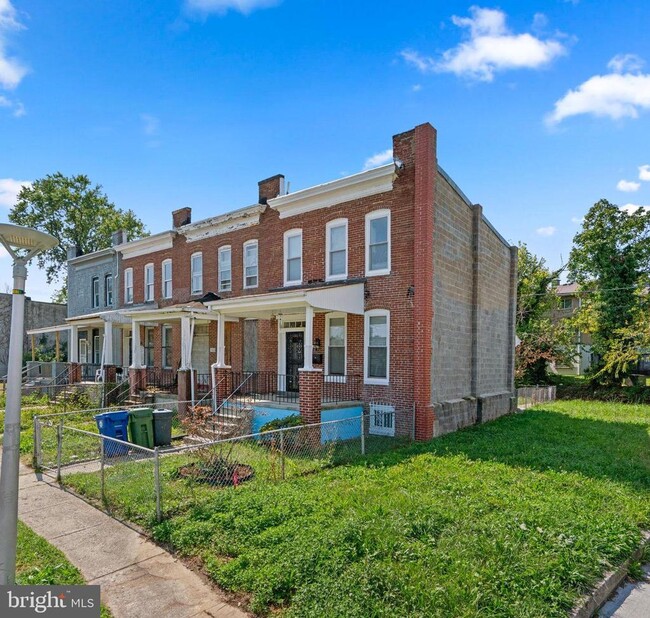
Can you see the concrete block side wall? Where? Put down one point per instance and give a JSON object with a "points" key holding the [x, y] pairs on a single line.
{"points": [[452, 295]]}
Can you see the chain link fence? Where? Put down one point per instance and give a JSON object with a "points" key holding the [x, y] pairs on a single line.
{"points": [[528, 396]]}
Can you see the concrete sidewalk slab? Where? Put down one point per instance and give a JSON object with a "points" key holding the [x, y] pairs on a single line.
{"points": [[137, 577], [632, 600]]}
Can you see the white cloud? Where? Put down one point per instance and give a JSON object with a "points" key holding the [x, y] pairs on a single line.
{"points": [[150, 125], [9, 189], [577, 220], [644, 172], [628, 186], [491, 48], [632, 208], [381, 158], [416, 87], [625, 63], [546, 231], [18, 109], [614, 95], [221, 7], [12, 70]]}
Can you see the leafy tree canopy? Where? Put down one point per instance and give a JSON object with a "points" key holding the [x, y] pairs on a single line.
{"points": [[75, 212]]}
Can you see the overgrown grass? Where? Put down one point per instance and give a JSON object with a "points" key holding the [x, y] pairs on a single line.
{"points": [[39, 563], [518, 517]]}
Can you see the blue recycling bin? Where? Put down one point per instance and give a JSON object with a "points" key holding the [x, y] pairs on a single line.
{"points": [[114, 425]]}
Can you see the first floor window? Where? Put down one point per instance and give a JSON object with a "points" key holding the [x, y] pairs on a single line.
{"points": [[148, 283], [128, 285], [377, 342], [197, 273], [167, 279], [167, 346], [95, 286], [336, 345], [250, 264], [225, 269]]}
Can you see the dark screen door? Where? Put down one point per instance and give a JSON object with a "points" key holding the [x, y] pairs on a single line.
{"points": [[295, 358]]}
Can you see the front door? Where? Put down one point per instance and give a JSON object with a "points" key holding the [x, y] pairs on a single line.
{"points": [[295, 355]]}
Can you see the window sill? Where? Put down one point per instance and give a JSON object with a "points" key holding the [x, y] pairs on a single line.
{"points": [[377, 273], [376, 381]]}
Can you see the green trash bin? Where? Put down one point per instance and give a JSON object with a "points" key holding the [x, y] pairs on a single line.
{"points": [[141, 426]]}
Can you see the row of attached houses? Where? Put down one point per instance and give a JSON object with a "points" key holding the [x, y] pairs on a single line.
{"points": [[385, 288]]}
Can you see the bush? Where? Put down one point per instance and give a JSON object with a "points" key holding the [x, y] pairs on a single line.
{"points": [[294, 420]]}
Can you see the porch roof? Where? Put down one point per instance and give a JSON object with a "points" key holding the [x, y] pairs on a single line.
{"points": [[185, 310], [97, 319], [346, 298]]}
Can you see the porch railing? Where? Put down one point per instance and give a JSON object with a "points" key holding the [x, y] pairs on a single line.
{"points": [[203, 382], [266, 385], [162, 379], [342, 388], [89, 372]]}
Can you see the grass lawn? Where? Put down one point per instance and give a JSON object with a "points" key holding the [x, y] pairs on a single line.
{"points": [[517, 517], [39, 563]]}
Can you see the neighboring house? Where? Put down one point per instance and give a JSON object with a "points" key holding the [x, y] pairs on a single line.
{"points": [[568, 303], [37, 315], [387, 289]]}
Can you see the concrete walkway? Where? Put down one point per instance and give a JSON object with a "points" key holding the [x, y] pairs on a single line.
{"points": [[630, 600], [137, 577]]}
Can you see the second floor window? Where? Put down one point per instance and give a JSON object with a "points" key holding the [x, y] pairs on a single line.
{"points": [[225, 269], [293, 257], [95, 291], [197, 273], [378, 243], [128, 286], [337, 249], [108, 290], [148, 283], [566, 303], [167, 279], [250, 264]]}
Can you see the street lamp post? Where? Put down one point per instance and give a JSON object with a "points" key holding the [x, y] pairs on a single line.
{"points": [[22, 244]]}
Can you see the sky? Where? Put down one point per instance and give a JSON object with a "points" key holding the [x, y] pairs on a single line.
{"points": [[542, 108]]}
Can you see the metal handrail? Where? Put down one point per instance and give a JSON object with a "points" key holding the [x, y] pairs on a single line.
{"points": [[227, 399]]}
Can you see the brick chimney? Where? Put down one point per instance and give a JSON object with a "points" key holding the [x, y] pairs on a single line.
{"points": [[118, 238], [182, 216], [270, 188]]}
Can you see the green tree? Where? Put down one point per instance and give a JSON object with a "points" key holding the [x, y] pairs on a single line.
{"points": [[610, 257], [75, 212], [541, 340]]}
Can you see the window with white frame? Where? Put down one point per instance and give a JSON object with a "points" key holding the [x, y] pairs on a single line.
{"points": [[336, 246], [225, 269], [378, 242], [335, 344], [148, 283], [377, 346], [382, 419], [95, 291], [293, 257], [251, 269], [148, 346], [197, 273], [167, 279], [108, 290], [128, 286]]}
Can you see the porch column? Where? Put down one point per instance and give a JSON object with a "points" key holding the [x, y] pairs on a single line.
{"points": [[220, 371], [135, 345], [137, 373], [221, 341], [74, 373], [309, 338], [186, 344], [57, 343], [310, 395], [109, 363]]}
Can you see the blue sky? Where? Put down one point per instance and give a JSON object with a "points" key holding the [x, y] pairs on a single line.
{"points": [[542, 108]]}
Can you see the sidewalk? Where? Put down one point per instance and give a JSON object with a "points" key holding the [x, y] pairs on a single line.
{"points": [[137, 577], [630, 600]]}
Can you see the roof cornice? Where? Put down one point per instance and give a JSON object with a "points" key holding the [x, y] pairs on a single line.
{"points": [[222, 224], [146, 245], [363, 184]]}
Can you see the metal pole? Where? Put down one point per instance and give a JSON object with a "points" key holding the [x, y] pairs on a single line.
{"points": [[156, 477], [363, 436], [11, 441], [282, 453], [101, 469], [37, 460], [59, 448]]}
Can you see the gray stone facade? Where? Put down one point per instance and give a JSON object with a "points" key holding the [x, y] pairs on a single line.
{"points": [[472, 376], [37, 315]]}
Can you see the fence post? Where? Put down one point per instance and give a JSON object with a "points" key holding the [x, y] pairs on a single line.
{"points": [[37, 459], [102, 451], [363, 435], [59, 448], [156, 476], [282, 453]]}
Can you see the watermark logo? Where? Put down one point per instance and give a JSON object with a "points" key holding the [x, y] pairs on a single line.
{"points": [[49, 601]]}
